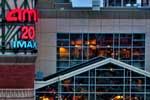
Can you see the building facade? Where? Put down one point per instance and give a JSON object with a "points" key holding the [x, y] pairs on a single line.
{"points": [[93, 49], [17, 61], [71, 36]]}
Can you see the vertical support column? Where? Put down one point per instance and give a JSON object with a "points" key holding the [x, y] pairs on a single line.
{"points": [[145, 89], [74, 83], [59, 89], [124, 83], [89, 91], [95, 85]]}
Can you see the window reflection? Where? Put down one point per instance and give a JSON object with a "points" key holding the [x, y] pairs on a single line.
{"points": [[76, 52], [80, 47], [63, 53], [125, 40], [108, 82], [125, 53], [125, 3]]}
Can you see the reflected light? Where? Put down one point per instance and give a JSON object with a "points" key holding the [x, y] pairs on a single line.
{"points": [[118, 97], [93, 47], [63, 52], [45, 98], [108, 46], [124, 49], [78, 46], [136, 53], [102, 53], [78, 42], [87, 42], [139, 83], [72, 43], [111, 69], [93, 42]]}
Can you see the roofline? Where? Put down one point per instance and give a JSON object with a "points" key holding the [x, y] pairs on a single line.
{"points": [[40, 84]]}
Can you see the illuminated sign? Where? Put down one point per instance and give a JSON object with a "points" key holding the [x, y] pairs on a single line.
{"points": [[22, 15], [27, 37]]}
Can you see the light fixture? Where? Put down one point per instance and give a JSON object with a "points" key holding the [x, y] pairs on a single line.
{"points": [[45, 98]]}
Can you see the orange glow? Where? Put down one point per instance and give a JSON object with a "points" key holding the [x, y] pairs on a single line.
{"points": [[87, 42], [93, 42], [136, 53], [93, 47], [63, 52], [78, 97], [45, 99], [72, 43], [78, 42], [102, 53], [139, 83], [118, 97], [124, 49], [78, 46]]}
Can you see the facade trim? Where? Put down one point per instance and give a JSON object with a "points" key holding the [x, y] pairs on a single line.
{"points": [[40, 84]]}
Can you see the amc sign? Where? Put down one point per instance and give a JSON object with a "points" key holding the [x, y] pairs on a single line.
{"points": [[27, 38]]}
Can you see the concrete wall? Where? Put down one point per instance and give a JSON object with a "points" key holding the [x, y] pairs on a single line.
{"points": [[47, 29], [46, 37]]}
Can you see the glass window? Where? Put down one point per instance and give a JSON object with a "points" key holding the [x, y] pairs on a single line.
{"points": [[62, 36], [113, 84], [81, 47], [114, 2], [63, 53], [63, 64], [125, 40], [125, 53], [125, 3]]}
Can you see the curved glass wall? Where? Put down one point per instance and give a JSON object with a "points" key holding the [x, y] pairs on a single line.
{"points": [[75, 48]]}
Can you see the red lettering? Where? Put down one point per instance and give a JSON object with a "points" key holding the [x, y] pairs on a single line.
{"points": [[28, 33], [24, 31], [12, 15], [22, 15], [30, 13]]}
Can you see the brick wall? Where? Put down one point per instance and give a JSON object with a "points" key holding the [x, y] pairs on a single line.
{"points": [[17, 76]]}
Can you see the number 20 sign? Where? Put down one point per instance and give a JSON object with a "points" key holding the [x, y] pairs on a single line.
{"points": [[27, 38]]}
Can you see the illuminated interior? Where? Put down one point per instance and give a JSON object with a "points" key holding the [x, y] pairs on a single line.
{"points": [[80, 47], [108, 82]]}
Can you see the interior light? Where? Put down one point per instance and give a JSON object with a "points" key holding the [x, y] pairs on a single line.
{"points": [[93, 42], [87, 42], [118, 97], [111, 69], [63, 52], [78, 42], [78, 46], [45, 99], [108, 46], [93, 47]]}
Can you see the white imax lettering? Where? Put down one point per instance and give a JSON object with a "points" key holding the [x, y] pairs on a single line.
{"points": [[25, 44]]}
